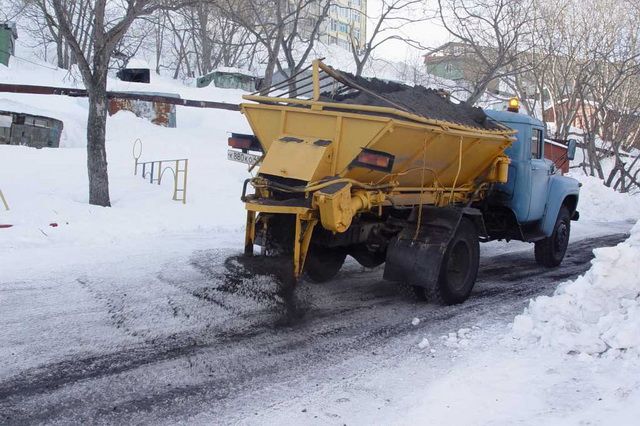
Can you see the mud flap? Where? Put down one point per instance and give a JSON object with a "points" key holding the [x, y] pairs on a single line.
{"points": [[416, 259]]}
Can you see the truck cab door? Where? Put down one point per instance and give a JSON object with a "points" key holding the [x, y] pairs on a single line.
{"points": [[540, 173]]}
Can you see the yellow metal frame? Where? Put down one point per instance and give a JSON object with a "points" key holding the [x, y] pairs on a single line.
{"points": [[432, 133], [4, 201], [305, 221]]}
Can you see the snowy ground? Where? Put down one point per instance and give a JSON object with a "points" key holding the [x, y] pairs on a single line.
{"points": [[124, 315], [141, 337]]}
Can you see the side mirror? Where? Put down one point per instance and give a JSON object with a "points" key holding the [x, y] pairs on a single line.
{"points": [[571, 149]]}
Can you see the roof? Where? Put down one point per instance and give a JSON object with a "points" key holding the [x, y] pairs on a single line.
{"points": [[445, 46], [137, 63], [6, 113], [552, 142], [512, 117], [234, 70]]}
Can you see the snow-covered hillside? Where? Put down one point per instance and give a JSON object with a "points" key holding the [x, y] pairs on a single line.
{"points": [[50, 185]]}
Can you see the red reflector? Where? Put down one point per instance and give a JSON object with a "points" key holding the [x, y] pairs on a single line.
{"points": [[239, 143], [375, 160]]}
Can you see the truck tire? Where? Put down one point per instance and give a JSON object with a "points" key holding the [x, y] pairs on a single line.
{"points": [[459, 267], [367, 258], [323, 263], [550, 251]]}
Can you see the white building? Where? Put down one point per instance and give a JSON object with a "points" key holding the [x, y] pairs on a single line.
{"points": [[346, 18]]}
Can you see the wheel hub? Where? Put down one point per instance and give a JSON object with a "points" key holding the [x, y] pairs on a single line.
{"points": [[562, 234], [458, 265]]}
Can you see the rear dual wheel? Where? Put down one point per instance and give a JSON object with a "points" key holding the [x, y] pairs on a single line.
{"points": [[323, 263], [458, 270], [366, 257]]}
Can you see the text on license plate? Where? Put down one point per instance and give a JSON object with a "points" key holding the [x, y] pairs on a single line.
{"points": [[241, 157]]}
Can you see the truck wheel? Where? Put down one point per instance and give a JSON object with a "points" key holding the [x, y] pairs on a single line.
{"points": [[367, 258], [550, 251], [322, 263], [459, 267]]}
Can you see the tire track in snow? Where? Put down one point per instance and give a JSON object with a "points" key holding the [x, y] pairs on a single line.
{"points": [[355, 314]]}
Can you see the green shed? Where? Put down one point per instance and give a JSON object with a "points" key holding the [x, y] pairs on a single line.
{"points": [[8, 36], [228, 78]]}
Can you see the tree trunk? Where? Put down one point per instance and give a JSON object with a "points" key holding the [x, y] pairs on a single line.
{"points": [[268, 74], [274, 52], [359, 68], [96, 150], [594, 162], [477, 93], [59, 52]]}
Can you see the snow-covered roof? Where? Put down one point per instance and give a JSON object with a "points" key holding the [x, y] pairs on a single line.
{"points": [[235, 70], [137, 63]]}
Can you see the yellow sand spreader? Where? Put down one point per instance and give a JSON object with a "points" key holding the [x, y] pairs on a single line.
{"points": [[337, 177]]}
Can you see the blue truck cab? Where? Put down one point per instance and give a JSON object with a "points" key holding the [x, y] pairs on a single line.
{"points": [[536, 204]]}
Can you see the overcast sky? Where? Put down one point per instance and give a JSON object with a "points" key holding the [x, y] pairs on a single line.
{"points": [[429, 33]]}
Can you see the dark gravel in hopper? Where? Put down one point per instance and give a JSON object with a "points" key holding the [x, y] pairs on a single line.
{"points": [[419, 100]]}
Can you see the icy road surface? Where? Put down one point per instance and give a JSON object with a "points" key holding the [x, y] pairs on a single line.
{"points": [[137, 340]]}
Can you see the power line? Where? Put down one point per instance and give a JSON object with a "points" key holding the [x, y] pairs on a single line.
{"points": [[29, 61]]}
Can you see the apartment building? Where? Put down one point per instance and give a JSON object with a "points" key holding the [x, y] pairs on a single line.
{"points": [[346, 17]]}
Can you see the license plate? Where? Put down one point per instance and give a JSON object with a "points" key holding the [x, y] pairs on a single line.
{"points": [[241, 157]]}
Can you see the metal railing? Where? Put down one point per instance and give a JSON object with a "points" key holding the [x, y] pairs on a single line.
{"points": [[154, 171]]}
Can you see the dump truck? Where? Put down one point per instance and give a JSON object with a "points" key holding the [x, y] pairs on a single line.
{"points": [[388, 173]]}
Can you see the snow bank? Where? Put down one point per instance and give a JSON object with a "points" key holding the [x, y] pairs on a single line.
{"points": [[600, 203], [597, 313], [51, 186]]}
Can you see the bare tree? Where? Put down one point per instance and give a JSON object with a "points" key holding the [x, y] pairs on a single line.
{"points": [[158, 21], [493, 34], [392, 17], [305, 21], [264, 20], [215, 40], [109, 26], [589, 73], [44, 31], [277, 26], [613, 59], [181, 42], [556, 64]]}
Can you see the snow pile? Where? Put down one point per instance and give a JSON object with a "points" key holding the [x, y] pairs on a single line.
{"points": [[597, 313], [44, 186], [601, 203], [460, 339], [424, 343]]}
